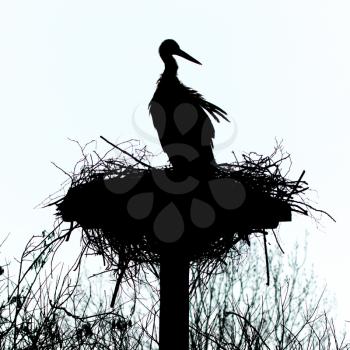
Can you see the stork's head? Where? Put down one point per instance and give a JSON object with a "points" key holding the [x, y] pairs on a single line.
{"points": [[170, 47]]}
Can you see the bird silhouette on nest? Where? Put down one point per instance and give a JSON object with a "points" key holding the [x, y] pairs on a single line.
{"points": [[181, 117]]}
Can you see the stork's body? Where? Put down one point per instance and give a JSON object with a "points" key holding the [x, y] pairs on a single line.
{"points": [[181, 116]]}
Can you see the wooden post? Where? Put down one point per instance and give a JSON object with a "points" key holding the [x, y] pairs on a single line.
{"points": [[174, 300]]}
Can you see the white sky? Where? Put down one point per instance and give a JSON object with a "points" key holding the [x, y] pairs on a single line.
{"points": [[79, 69]]}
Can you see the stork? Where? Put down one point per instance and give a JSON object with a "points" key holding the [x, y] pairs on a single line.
{"points": [[181, 116]]}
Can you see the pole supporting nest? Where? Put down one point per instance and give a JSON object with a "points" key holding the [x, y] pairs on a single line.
{"points": [[174, 300]]}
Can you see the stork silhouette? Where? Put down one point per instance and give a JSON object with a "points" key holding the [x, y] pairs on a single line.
{"points": [[181, 117]]}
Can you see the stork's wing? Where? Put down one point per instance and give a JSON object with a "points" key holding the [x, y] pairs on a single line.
{"points": [[209, 107]]}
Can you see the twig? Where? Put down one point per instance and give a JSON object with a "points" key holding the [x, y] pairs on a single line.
{"points": [[266, 261], [127, 153], [296, 185]]}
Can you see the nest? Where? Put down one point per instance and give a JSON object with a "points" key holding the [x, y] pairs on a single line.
{"points": [[135, 211]]}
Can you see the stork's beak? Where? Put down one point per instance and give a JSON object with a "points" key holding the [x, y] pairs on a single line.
{"points": [[187, 56]]}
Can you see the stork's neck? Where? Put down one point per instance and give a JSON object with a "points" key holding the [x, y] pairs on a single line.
{"points": [[170, 65]]}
